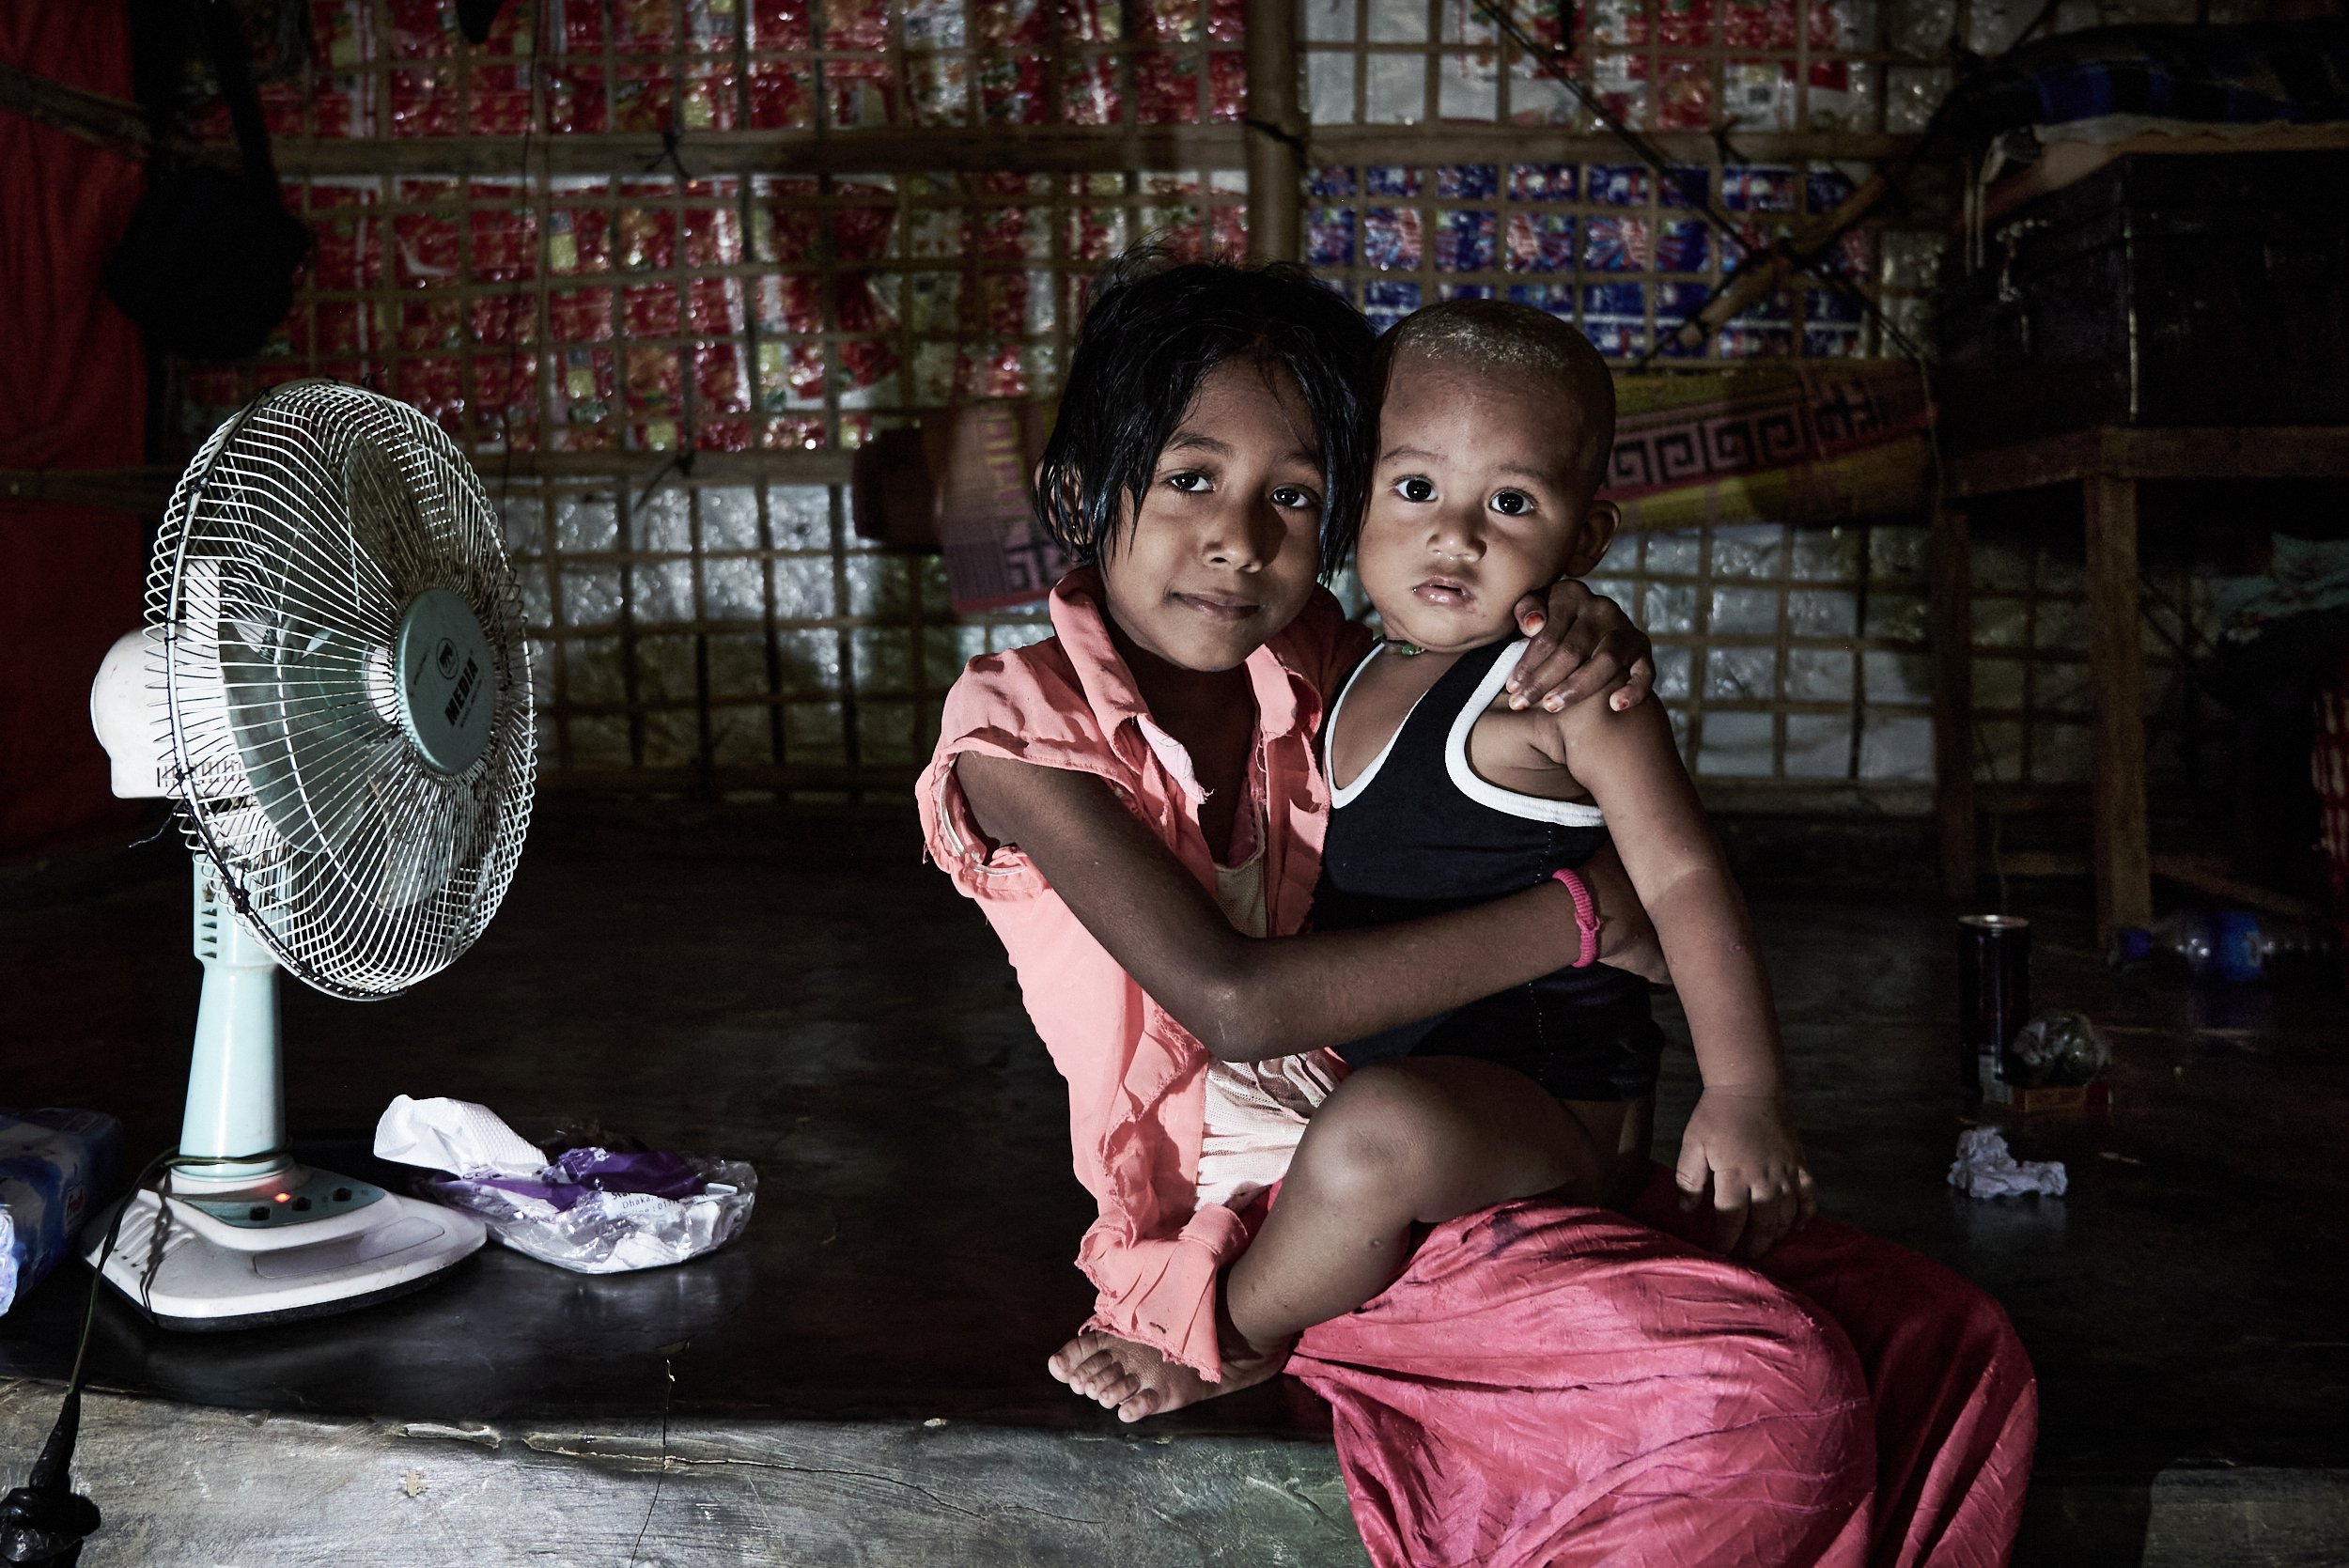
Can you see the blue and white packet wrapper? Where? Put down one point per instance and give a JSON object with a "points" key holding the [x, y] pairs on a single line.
{"points": [[54, 1165]]}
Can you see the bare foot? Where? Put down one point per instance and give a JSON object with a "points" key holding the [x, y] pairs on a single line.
{"points": [[1136, 1381]]}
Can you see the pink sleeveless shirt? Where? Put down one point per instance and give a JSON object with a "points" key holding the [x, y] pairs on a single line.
{"points": [[1136, 1077]]}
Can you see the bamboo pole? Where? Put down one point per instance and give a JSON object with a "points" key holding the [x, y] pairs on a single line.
{"points": [[1078, 150], [1276, 171]]}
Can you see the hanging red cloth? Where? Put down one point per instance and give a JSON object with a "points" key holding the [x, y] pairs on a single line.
{"points": [[72, 395]]}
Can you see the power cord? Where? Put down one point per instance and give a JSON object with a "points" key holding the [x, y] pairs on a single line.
{"points": [[45, 1521]]}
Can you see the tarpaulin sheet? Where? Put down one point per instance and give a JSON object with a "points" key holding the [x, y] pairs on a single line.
{"points": [[72, 395], [1807, 444]]}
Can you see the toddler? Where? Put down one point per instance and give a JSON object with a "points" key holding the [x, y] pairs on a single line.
{"points": [[1494, 426]]}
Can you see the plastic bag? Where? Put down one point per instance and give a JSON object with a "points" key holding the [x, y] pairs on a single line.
{"points": [[2058, 1048], [602, 1222], [592, 1209]]}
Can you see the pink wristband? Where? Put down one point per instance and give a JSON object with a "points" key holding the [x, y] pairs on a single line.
{"points": [[1585, 916]]}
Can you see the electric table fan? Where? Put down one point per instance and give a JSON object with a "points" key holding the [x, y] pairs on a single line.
{"points": [[333, 688]]}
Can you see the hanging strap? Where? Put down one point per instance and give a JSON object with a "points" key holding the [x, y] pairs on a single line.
{"points": [[223, 37]]}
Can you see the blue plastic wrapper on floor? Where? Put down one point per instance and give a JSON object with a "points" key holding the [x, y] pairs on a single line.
{"points": [[53, 1166]]}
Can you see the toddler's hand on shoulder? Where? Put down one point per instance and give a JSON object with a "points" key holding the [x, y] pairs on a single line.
{"points": [[1742, 1146], [1583, 644]]}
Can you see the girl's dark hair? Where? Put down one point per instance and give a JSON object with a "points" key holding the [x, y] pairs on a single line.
{"points": [[1153, 332]]}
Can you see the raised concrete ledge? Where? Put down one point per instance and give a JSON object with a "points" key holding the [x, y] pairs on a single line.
{"points": [[207, 1488], [185, 1487], [2226, 1516]]}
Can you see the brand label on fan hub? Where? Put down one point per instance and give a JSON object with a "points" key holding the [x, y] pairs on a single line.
{"points": [[445, 701]]}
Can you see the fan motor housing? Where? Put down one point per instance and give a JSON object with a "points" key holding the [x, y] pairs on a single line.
{"points": [[446, 683]]}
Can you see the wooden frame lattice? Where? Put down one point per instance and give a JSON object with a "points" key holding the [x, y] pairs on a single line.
{"points": [[661, 350]]}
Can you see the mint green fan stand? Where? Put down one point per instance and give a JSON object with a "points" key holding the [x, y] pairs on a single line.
{"points": [[334, 689]]}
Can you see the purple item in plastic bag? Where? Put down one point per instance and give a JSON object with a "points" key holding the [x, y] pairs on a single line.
{"points": [[628, 1211], [592, 1210], [660, 1174]]}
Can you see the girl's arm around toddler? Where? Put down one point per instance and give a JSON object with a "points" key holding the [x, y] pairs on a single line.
{"points": [[1247, 999]]}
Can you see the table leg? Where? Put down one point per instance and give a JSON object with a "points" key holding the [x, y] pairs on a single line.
{"points": [[2125, 886], [1950, 645]]}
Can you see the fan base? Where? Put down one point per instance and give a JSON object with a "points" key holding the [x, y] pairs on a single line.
{"points": [[205, 1275]]}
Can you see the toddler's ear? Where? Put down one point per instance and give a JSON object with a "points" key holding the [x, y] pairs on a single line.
{"points": [[1599, 523]]}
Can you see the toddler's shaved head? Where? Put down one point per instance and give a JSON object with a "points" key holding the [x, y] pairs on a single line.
{"points": [[1497, 335]]}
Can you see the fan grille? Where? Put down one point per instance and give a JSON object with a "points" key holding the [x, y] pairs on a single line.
{"points": [[293, 548]]}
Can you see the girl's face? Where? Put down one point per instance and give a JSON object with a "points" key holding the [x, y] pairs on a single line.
{"points": [[1226, 550]]}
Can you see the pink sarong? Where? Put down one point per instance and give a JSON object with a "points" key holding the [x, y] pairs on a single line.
{"points": [[1548, 1385]]}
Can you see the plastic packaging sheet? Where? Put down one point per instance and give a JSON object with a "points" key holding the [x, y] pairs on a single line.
{"points": [[591, 1209], [1735, 745], [52, 1165], [1396, 89]]}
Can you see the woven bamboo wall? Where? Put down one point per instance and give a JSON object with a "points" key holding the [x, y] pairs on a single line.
{"points": [[661, 351]]}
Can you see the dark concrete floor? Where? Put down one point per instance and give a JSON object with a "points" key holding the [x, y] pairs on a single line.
{"points": [[796, 990]]}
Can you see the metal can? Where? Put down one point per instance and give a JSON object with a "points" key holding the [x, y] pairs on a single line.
{"points": [[1993, 993]]}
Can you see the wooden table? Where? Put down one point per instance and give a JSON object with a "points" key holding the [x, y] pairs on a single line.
{"points": [[2107, 463]]}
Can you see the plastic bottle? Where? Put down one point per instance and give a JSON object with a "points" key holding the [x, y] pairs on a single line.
{"points": [[2240, 946], [2187, 939], [2284, 948]]}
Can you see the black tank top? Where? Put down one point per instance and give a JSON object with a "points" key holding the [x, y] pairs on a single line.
{"points": [[1419, 832]]}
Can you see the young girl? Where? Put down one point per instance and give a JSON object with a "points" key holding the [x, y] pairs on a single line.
{"points": [[1179, 659], [1128, 798]]}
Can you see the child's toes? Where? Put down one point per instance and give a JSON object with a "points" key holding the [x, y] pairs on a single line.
{"points": [[1069, 1357], [1145, 1403]]}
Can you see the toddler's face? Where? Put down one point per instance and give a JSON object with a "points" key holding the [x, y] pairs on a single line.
{"points": [[1226, 548], [1475, 501]]}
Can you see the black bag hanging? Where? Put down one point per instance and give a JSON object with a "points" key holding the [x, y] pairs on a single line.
{"points": [[207, 266]]}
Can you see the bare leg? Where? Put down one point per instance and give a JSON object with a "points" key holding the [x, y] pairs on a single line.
{"points": [[1422, 1139], [1402, 1143]]}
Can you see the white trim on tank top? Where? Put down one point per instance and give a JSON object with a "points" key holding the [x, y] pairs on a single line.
{"points": [[1566, 814], [1329, 740]]}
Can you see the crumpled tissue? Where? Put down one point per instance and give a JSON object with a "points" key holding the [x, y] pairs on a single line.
{"points": [[453, 1135], [1984, 1168], [591, 1210]]}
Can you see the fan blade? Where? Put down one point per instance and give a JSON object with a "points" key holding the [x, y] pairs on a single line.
{"points": [[303, 717], [387, 530]]}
